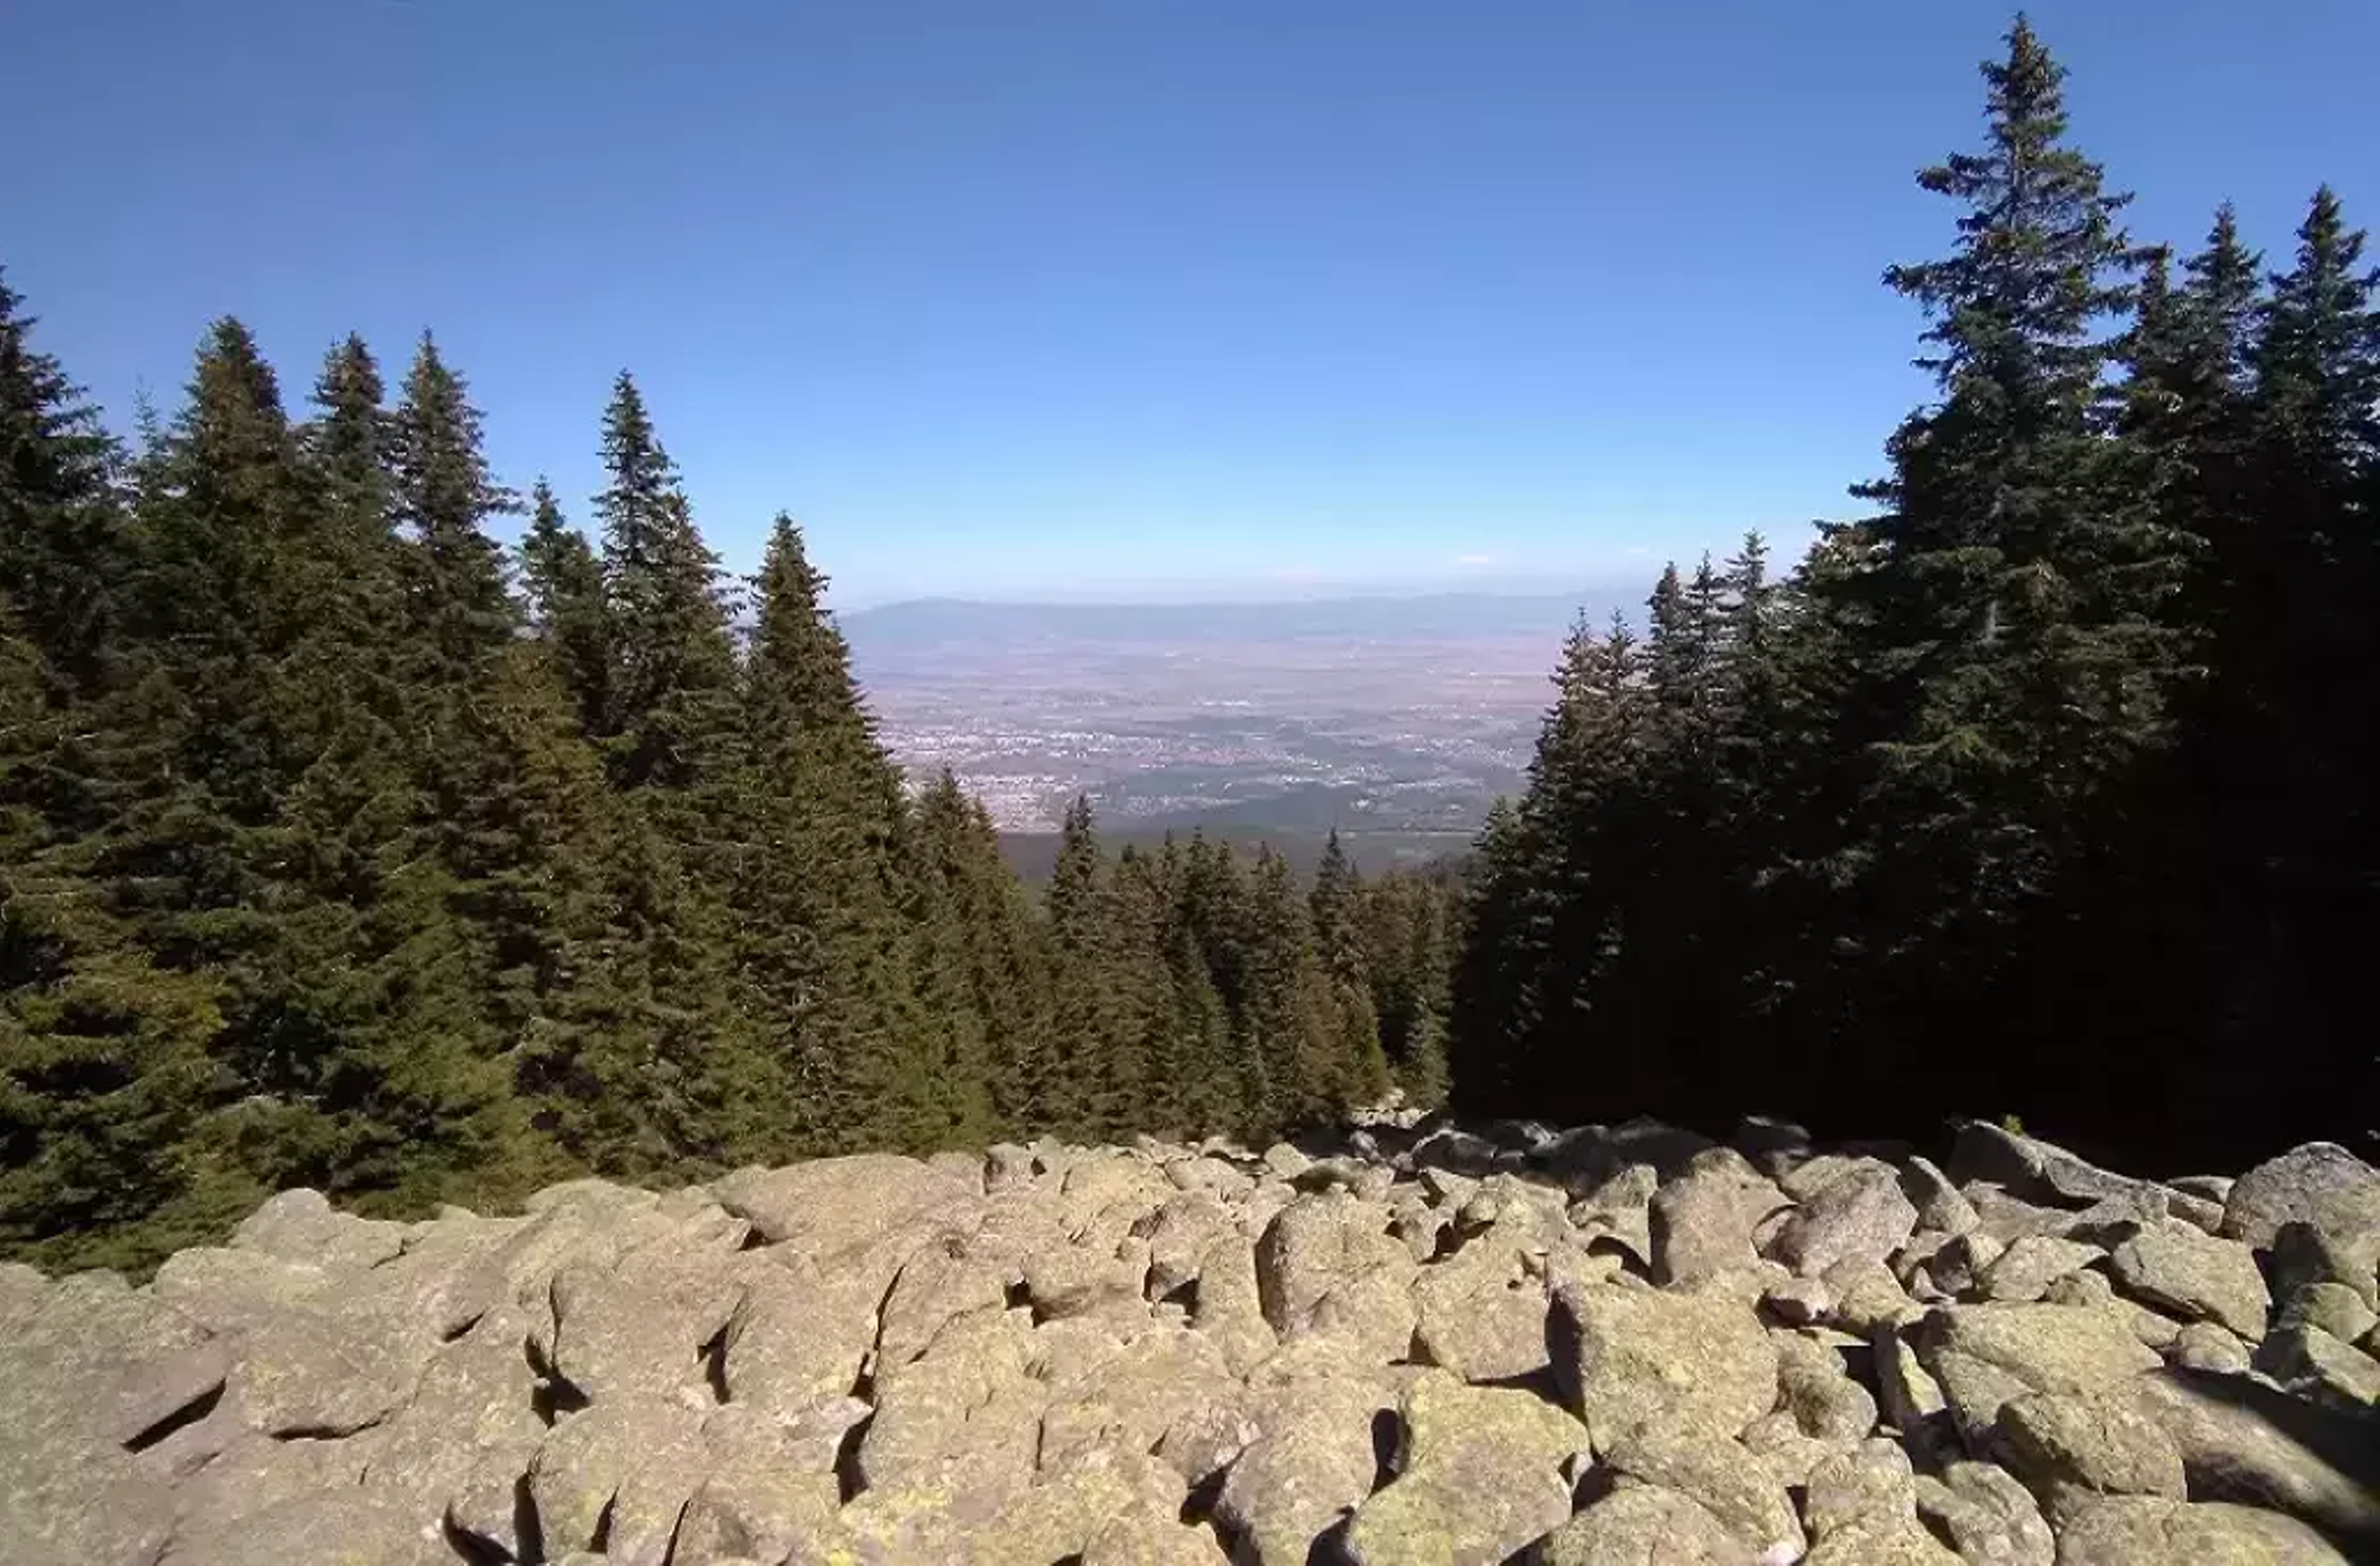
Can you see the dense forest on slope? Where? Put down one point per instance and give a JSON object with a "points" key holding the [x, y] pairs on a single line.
{"points": [[342, 847], [2049, 787], [339, 849]]}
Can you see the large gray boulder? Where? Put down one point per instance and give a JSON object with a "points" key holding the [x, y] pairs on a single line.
{"points": [[2242, 1441], [2321, 1185], [2074, 1446], [1861, 1215], [1988, 1518], [2195, 1276], [1983, 1355], [1644, 1526], [1701, 1223], [1307, 1470], [1861, 1511], [2150, 1531], [1481, 1472], [1625, 1355], [1718, 1474]]}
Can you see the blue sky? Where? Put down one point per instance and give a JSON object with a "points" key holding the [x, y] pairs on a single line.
{"points": [[1121, 297]]}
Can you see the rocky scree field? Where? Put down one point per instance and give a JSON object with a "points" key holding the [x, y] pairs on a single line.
{"points": [[1419, 1345]]}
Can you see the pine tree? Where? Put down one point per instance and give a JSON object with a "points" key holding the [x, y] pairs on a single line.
{"points": [[984, 963], [672, 669], [822, 888], [63, 554], [443, 496], [2006, 637], [566, 603]]}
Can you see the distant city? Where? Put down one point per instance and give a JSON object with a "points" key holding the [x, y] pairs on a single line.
{"points": [[1396, 720]]}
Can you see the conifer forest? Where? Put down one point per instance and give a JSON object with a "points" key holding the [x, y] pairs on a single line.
{"points": [[370, 824]]}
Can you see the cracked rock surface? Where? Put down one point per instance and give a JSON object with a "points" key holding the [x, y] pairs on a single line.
{"points": [[1414, 1345]]}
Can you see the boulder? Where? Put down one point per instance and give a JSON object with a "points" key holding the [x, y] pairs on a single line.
{"points": [[962, 1421], [1861, 1511], [302, 1226], [2242, 1441], [792, 1338], [1719, 1475], [1644, 1526], [331, 1525], [2316, 1365], [2196, 1276], [1311, 1465], [622, 1471], [1623, 1355], [2030, 1263], [1819, 1392], [1940, 1204], [2333, 1307], [2320, 1185], [1984, 1355], [2072, 1445], [1700, 1224], [2300, 1254], [769, 1492], [1860, 1215], [1988, 1518], [1617, 1213], [1481, 1472], [2150, 1531], [2202, 1345]]}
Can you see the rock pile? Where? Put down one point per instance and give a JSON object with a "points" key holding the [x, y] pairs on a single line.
{"points": [[1420, 1347]]}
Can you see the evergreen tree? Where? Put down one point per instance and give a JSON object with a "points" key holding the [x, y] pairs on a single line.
{"points": [[673, 670], [63, 554], [443, 495], [565, 602], [822, 886]]}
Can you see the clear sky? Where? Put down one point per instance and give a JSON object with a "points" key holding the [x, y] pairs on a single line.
{"points": [[1121, 298]]}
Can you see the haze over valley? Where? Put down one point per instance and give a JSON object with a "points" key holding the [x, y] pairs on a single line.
{"points": [[1396, 718]]}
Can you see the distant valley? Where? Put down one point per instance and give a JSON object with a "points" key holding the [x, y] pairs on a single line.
{"points": [[1395, 719]]}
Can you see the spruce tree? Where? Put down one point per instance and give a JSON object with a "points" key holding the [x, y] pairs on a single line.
{"points": [[822, 890], [443, 496], [673, 671], [63, 554], [565, 582]]}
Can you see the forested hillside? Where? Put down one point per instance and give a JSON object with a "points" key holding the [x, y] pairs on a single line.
{"points": [[341, 850], [2046, 789], [342, 846]]}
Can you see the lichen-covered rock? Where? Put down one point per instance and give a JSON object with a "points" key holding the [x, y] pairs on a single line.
{"points": [[1644, 1526], [1861, 1511], [2196, 1276], [1989, 1519], [2315, 1364], [1818, 1391], [579, 1480], [2072, 1445], [2024, 1270], [1718, 1474], [2321, 1185], [2333, 1307], [1311, 1465], [2148, 1531], [1984, 1355], [1482, 1471], [792, 1338], [1860, 1215], [2242, 1441], [1701, 1223], [1623, 1355], [2202, 1345]]}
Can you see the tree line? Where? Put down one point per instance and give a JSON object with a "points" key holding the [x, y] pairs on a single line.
{"points": [[2047, 788], [342, 846]]}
